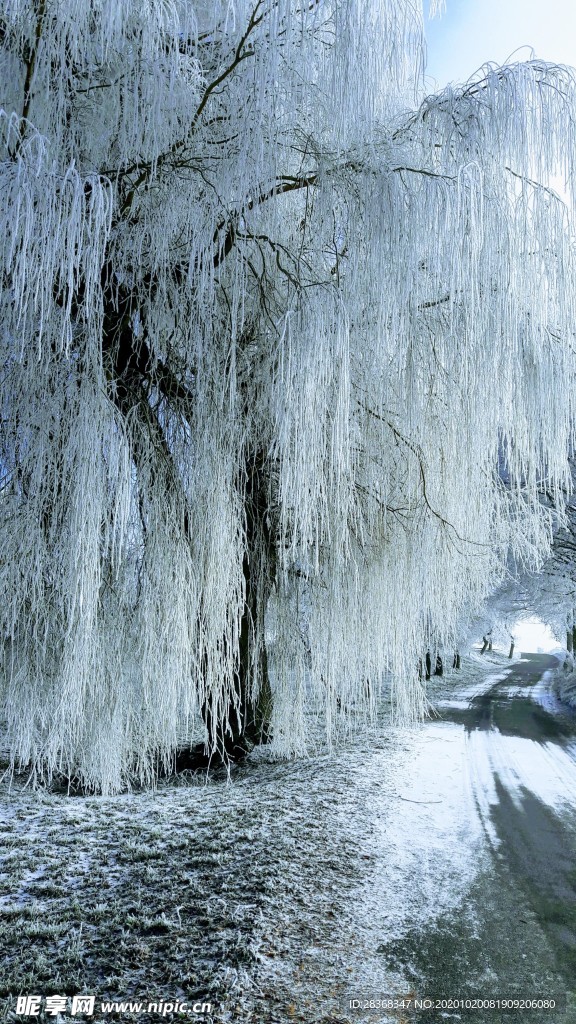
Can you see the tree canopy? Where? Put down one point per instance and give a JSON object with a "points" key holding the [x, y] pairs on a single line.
{"points": [[272, 323]]}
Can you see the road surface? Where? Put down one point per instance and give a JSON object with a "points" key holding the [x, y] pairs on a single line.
{"points": [[513, 929]]}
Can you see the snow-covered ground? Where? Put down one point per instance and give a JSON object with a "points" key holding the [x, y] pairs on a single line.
{"points": [[284, 893], [565, 685]]}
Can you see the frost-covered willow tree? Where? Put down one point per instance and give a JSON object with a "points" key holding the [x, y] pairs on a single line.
{"points": [[271, 321]]}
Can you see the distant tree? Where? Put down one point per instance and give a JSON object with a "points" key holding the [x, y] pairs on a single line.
{"points": [[252, 283]]}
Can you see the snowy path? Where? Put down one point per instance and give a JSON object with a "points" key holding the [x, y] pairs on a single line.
{"points": [[521, 765], [437, 861]]}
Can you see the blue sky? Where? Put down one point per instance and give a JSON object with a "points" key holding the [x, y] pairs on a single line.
{"points": [[472, 32]]}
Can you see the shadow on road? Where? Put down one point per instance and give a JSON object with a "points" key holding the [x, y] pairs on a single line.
{"points": [[539, 853]]}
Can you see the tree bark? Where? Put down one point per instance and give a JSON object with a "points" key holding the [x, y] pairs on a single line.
{"points": [[251, 725]]}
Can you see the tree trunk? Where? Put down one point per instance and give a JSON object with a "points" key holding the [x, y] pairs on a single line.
{"points": [[511, 653], [259, 574], [247, 721]]}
